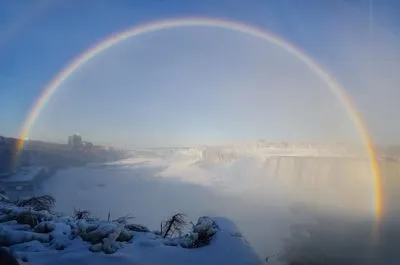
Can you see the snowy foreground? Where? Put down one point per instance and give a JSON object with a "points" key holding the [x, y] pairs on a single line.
{"points": [[60, 239]]}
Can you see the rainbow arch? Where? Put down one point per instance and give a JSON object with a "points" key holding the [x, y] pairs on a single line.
{"points": [[337, 90]]}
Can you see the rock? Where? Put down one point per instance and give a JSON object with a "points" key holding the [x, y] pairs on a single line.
{"points": [[100, 233], [85, 227], [58, 244], [92, 237], [189, 241], [44, 227], [96, 247], [202, 234], [125, 235], [10, 237], [19, 227], [38, 203], [60, 236], [108, 246], [6, 210], [23, 262], [30, 218], [6, 218], [109, 250], [6, 258], [206, 224]]}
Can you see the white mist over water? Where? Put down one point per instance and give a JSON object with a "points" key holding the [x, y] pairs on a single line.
{"points": [[245, 186]]}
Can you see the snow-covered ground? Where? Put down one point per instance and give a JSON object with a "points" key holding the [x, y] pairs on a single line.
{"points": [[60, 239], [244, 185]]}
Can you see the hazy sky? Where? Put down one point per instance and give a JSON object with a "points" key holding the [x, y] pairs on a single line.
{"points": [[200, 84]]}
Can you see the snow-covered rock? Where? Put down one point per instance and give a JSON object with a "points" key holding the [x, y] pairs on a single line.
{"points": [[60, 236], [202, 233], [102, 231], [10, 237], [63, 240]]}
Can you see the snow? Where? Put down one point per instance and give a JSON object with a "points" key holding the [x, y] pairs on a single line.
{"points": [[60, 246], [60, 236], [147, 249]]}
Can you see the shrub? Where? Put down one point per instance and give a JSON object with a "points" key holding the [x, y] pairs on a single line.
{"points": [[81, 214], [123, 220], [38, 203], [174, 224]]}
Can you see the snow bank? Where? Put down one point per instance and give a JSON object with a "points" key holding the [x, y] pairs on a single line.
{"points": [[228, 247], [64, 240]]}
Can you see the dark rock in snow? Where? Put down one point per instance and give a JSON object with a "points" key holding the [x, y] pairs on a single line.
{"points": [[31, 218], [44, 227], [202, 234], [6, 258], [125, 235], [11, 237]]}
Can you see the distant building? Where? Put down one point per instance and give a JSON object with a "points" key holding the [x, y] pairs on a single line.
{"points": [[75, 141]]}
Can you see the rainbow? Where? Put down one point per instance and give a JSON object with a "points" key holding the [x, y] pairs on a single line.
{"points": [[338, 91]]}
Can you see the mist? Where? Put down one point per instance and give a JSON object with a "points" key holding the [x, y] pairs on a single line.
{"points": [[263, 205]]}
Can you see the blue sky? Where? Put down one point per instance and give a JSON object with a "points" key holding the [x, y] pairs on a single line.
{"points": [[200, 85]]}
